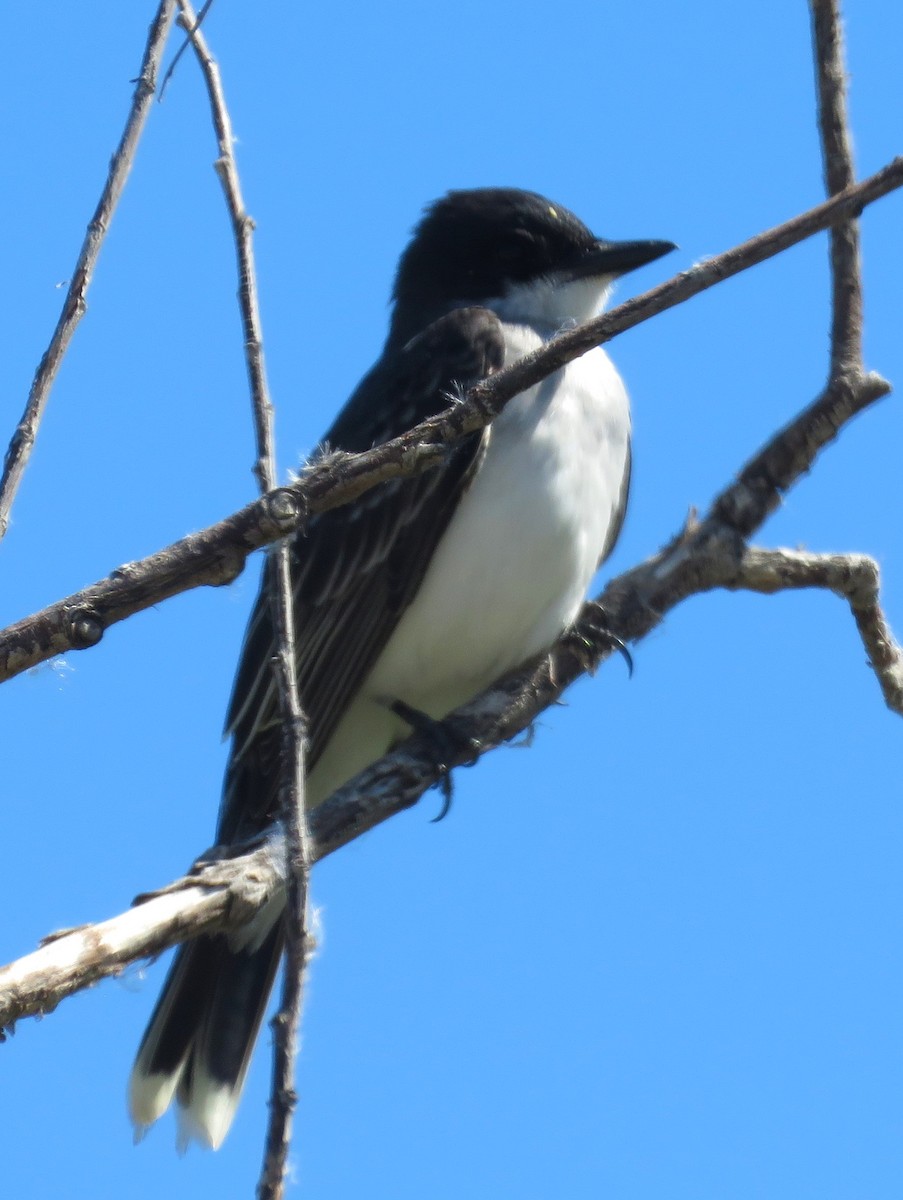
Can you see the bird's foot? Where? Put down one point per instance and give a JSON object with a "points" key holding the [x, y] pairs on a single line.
{"points": [[593, 634], [445, 743]]}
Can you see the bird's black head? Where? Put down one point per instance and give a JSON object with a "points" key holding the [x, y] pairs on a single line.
{"points": [[475, 246]]}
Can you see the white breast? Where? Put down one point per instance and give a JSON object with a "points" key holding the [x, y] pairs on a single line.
{"points": [[513, 567]]}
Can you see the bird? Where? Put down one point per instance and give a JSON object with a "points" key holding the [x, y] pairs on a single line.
{"points": [[424, 589]]}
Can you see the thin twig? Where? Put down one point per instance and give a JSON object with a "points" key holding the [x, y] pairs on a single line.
{"points": [[171, 69], [216, 555], [75, 304], [837, 155], [297, 841]]}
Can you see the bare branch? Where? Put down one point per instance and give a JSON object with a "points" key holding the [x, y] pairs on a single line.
{"points": [[74, 304], [294, 726], [243, 231], [758, 489], [217, 894], [217, 554], [705, 555], [853, 577], [563, 349], [708, 554], [846, 327], [195, 26]]}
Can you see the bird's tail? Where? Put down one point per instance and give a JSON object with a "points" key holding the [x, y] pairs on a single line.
{"points": [[198, 1043]]}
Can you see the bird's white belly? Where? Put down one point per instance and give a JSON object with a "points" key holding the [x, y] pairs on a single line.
{"points": [[512, 568]]}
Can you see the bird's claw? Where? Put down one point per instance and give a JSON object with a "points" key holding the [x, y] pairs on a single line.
{"points": [[593, 634]]}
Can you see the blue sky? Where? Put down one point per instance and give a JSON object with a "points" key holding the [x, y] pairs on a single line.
{"points": [[659, 953]]}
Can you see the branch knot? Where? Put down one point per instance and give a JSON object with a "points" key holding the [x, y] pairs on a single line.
{"points": [[283, 509], [85, 628]]}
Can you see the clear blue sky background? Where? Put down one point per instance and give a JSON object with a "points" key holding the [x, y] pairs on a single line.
{"points": [[660, 953]]}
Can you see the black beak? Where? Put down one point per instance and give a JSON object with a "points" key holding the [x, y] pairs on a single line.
{"points": [[617, 258]]}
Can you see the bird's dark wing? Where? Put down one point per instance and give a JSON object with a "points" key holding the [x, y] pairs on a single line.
{"points": [[358, 567], [617, 520]]}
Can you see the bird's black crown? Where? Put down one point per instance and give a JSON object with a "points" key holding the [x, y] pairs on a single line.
{"points": [[471, 246]]}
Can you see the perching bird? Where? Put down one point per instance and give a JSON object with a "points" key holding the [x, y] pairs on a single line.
{"points": [[424, 590]]}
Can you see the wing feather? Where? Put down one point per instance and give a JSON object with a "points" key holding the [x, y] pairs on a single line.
{"points": [[355, 569]]}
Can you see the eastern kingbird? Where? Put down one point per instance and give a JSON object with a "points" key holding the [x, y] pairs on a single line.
{"points": [[424, 590]]}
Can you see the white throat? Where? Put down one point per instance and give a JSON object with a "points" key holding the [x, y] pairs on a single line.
{"points": [[552, 303]]}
